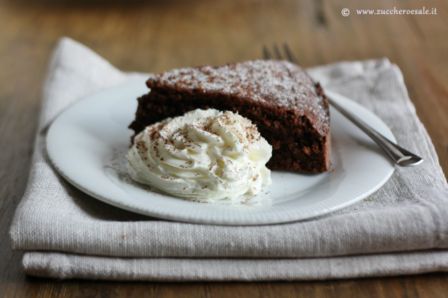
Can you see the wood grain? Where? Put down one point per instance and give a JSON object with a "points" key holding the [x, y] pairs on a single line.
{"points": [[158, 35]]}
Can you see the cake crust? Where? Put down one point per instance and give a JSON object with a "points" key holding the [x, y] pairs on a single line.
{"points": [[290, 110]]}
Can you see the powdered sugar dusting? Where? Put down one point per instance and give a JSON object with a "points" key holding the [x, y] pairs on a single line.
{"points": [[280, 83]]}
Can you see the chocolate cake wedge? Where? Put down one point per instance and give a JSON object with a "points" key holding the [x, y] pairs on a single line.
{"points": [[289, 109]]}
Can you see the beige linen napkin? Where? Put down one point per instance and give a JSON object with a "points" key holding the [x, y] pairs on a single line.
{"points": [[401, 229]]}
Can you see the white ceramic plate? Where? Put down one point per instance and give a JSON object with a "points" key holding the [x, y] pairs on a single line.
{"points": [[87, 144]]}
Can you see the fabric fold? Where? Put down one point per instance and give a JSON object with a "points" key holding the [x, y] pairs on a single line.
{"points": [[66, 266]]}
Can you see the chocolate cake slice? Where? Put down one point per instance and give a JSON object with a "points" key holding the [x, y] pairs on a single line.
{"points": [[289, 109]]}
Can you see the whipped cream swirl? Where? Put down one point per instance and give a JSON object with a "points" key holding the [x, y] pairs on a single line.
{"points": [[204, 155]]}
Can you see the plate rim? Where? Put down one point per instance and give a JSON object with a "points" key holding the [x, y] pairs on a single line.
{"points": [[253, 220]]}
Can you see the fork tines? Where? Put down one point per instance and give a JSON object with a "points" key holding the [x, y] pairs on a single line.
{"points": [[276, 53]]}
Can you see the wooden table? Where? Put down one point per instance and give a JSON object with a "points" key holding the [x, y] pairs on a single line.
{"points": [[158, 35]]}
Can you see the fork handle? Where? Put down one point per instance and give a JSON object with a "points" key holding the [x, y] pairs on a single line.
{"points": [[397, 154]]}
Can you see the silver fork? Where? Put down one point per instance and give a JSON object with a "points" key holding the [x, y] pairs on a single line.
{"points": [[397, 154]]}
